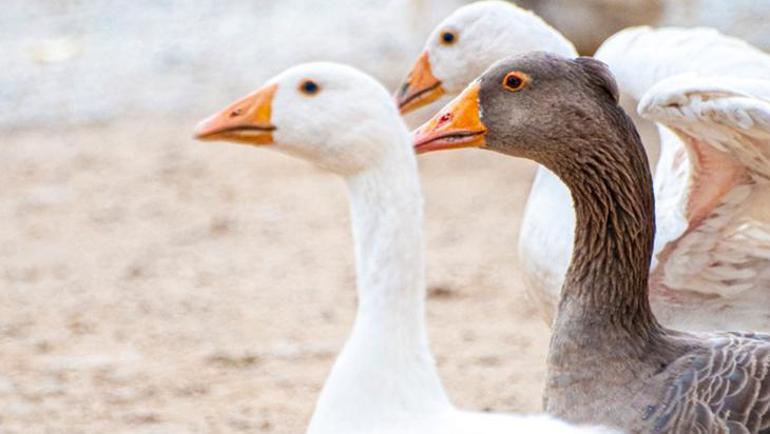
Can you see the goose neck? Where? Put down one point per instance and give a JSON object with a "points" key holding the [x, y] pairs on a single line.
{"points": [[386, 214], [386, 371], [611, 186]]}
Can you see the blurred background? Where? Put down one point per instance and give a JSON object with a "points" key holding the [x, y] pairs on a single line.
{"points": [[151, 283]]}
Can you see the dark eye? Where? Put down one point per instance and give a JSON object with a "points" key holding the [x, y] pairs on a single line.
{"points": [[309, 87], [515, 81], [448, 38]]}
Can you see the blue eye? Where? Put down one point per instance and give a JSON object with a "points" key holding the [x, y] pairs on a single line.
{"points": [[309, 87], [448, 38]]}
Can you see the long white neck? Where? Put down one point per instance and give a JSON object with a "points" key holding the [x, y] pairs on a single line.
{"points": [[386, 372]]}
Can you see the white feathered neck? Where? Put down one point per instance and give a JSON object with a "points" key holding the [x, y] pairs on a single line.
{"points": [[385, 371]]}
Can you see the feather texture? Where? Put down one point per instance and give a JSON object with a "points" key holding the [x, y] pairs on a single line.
{"points": [[720, 387]]}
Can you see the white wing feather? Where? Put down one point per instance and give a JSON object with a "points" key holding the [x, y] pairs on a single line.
{"points": [[731, 114], [725, 248]]}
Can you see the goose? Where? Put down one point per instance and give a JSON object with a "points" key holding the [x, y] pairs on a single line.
{"points": [[385, 379], [710, 277], [458, 50], [610, 361]]}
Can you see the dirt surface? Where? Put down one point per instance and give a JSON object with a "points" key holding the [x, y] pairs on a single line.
{"points": [[156, 284]]}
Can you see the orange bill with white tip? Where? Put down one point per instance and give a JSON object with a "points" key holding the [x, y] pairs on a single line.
{"points": [[420, 88], [247, 120], [458, 125]]}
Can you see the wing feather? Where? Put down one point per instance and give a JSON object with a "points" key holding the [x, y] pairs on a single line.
{"points": [[730, 114], [724, 126], [722, 387]]}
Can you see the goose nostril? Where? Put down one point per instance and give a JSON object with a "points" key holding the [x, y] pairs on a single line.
{"points": [[445, 117], [404, 89], [236, 112]]}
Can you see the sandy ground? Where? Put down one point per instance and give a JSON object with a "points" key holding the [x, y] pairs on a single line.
{"points": [[156, 284]]}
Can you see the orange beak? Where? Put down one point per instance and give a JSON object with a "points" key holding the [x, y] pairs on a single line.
{"points": [[421, 87], [244, 121], [456, 126]]}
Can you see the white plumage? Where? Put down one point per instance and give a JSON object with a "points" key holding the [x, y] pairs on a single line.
{"points": [[710, 96]]}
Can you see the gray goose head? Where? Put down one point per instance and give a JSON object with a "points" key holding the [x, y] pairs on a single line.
{"points": [[532, 106]]}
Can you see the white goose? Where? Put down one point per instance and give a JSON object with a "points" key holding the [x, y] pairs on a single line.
{"points": [[710, 95], [460, 49], [385, 379], [546, 235]]}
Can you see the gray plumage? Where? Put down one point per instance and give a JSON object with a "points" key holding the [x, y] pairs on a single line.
{"points": [[610, 361]]}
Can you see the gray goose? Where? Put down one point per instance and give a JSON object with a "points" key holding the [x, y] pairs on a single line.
{"points": [[610, 361]]}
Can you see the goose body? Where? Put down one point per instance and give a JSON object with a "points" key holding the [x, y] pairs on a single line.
{"points": [[726, 256], [610, 361], [384, 381]]}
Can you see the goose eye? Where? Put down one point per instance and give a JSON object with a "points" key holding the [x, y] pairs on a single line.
{"points": [[448, 38], [309, 87], [515, 81]]}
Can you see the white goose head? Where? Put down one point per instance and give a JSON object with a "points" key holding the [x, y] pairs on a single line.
{"points": [[328, 114], [468, 41]]}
